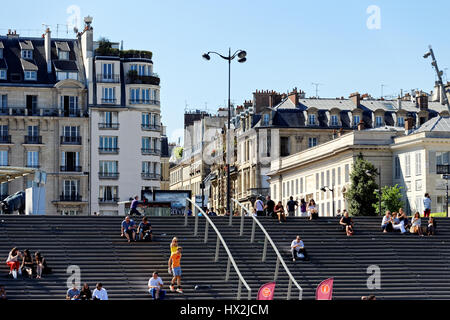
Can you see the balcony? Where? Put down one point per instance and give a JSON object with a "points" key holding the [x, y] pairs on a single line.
{"points": [[152, 79], [151, 176], [108, 126], [40, 112], [70, 168], [33, 140], [71, 140], [108, 78], [108, 175], [70, 198], [151, 127], [144, 101], [108, 150], [108, 200], [151, 152], [5, 139], [109, 101]]}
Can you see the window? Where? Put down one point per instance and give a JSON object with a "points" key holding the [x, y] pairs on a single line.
{"points": [[63, 55], [296, 186], [347, 173], [71, 188], [108, 69], [109, 95], [3, 158], [378, 121], [33, 159], [334, 120], [317, 181], [70, 161], [109, 167], [269, 143], [33, 131], [69, 104], [2, 74], [397, 167], [109, 117], [142, 70], [4, 131], [27, 54], [284, 146], [108, 143], [134, 95], [339, 176], [333, 177], [401, 121], [322, 179], [71, 131], [69, 212], [442, 158], [312, 119], [108, 193], [356, 120], [62, 75], [265, 120], [418, 164], [418, 185], [30, 75], [301, 185], [4, 101], [4, 187], [312, 142], [408, 165]]}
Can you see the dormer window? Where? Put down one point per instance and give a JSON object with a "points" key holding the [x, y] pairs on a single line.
{"points": [[312, 119], [62, 75], [30, 75], [356, 120], [378, 121], [63, 55], [2, 74], [27, 54], [266, 120], [401, 121], [334, 120]]}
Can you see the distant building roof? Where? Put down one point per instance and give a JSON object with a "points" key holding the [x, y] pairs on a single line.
{"points": [[437, 124], [26, 45], [65, 65], [28, 65], [62, 46]]}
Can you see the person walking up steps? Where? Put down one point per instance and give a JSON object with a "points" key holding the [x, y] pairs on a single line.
{"points": [[175, 265]]}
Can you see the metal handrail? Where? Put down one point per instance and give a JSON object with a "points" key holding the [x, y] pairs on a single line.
{"points": [[219, 240], [279, 257]]}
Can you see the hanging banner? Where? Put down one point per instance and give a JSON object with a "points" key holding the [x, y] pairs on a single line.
{"points": [[267, 291], [325, 290]]}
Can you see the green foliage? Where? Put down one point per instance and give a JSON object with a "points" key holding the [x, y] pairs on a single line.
{"points": [[391, 199], [178, 152], [361, 196], [105, 48]]}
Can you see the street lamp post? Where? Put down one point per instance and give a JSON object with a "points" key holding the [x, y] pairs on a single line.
{"points": [[241, 54], [324, 189]]}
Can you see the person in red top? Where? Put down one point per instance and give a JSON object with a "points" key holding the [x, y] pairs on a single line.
{"points": [[279, 210], [175, 267]]}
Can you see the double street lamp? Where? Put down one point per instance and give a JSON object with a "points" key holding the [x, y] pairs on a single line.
{"points": [[241, 55], [324, 189]]}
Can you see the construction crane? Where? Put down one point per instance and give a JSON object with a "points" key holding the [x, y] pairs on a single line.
{"points": [[439, 75]]}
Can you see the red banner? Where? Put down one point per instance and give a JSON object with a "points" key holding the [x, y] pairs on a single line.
{"points": [[267, 291], [325, 290]]}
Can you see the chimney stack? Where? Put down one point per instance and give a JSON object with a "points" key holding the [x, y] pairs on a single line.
{"points": [[409, 125], [361, 126], [48, 49], [356, 98], [399, 103], [293, 96], [422, 102]]}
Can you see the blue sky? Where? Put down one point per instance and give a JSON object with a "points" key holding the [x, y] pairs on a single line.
{"points": [[289, 44]]}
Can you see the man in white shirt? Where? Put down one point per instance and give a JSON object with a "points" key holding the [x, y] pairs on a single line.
{"points": [[426, 205], [99, 293], [297, 247], [259, 207], [155, 286]]}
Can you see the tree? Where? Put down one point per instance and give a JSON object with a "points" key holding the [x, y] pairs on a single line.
{"points": [[391, 199], [361, 196]]}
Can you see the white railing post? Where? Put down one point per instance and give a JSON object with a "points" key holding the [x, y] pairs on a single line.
{"points": [[216, 258], [279, 257], [239, 290], [227, 274], [196, 221], [277, 267], [220, 239], [231, 218], [241, 233], [185, 219], [252, 239], [265, 249], [206, 231], [289, 289]]}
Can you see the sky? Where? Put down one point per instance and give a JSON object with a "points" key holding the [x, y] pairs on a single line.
{"points": [[345, 46]]}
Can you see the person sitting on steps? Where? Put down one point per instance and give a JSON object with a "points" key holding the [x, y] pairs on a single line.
{"points": [[298, 250]]}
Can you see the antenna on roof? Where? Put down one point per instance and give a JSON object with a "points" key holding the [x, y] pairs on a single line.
{"points": [[317, 88], [382, 88], [121, 45]]}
